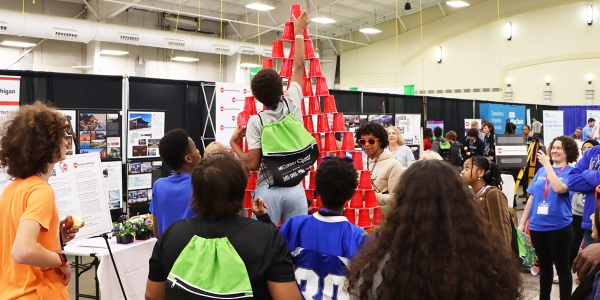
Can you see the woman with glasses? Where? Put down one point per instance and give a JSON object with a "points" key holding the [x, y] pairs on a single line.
{"points": [[383, 165], [548, 210]]}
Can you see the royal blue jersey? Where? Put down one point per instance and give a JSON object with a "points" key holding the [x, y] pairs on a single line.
{"points": [[321, 248]]}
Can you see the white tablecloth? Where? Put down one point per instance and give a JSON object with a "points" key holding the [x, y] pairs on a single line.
{"points": [[132, 263], [508, 188]]}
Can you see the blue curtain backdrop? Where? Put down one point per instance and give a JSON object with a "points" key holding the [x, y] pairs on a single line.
{"points": [[575, 116]]}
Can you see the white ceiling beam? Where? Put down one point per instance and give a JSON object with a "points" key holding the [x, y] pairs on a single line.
{"points": [[399, 19], [441, 8], [159, 6], [87, 4], [121, 9]]}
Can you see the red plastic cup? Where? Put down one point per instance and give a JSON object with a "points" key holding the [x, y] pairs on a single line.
{"points": [[357, 200], [329, 105], [308, 124], [330, 142], [250, 105], [305, 74], [365, 180], [322, 89], [248, 213], [246, 149], [267, 63], [310, 194], [370, 199], [247, 199], [295, 11], [314, 107], [292, 51], [306, 34], [350, 214], [341, 153], [317, 137], [286, 68], [302, 107], [323, 126], [358, 163], [377, 216], [307, 90], [277, 50], [348, 141], [338, 123], [311, 183], [319, 202], [369, 229], [242, 118], [288, 32], [309, 50], [315, 68], [364, 220], [251, 185]]}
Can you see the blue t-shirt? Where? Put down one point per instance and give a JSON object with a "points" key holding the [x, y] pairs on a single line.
{"points": [[587, 130], [559, 205], [171, 197], [322, 247]]}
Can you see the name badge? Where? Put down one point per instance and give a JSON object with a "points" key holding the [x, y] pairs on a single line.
{"points": [[542, 208]]}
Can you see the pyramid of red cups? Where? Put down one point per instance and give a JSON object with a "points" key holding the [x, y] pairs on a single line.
{"points": [[358, 208]]}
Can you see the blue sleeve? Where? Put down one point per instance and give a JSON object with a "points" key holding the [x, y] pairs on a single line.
{"points": [[531, 188], [152, 209], [581, 179], [586, 132]]}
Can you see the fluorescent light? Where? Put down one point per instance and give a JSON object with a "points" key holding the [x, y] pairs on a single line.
{"points": [[82, 67], [508, 81], [438, 54], [17, 44], [547, 79], [249, 65], [369, 30], [259, 6], [458, 3], [184, 59], [508, 31], [590, 15], [323, 20], [113, 52], [589, 78]]}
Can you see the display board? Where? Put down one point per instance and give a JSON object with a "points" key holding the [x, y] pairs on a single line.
{"points": [[229, 101], [145, 129], [10, 87], [498, 114], [553, 124], [79, 191], [592, 114], [71, 116], [141, 176], [100, 132], [113, 183], [410, 128], [511, 150]]}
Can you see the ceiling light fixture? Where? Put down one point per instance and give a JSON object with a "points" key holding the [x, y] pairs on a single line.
{"points": [[458, 3], [508, 81], [547, 79], [369, 30], [438, 54], [590, 15], [113, 52], [17, 44], [82, 67], [184, 59], [249, 65], [259, 6], [589, 78], [323, 20], [407, 6], [508, 31]]}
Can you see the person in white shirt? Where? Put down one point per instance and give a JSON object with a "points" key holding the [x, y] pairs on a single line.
{"points": [[397, 147]]}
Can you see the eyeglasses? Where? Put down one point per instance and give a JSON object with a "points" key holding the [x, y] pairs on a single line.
{"points": [[349, 159], [364, 141]]}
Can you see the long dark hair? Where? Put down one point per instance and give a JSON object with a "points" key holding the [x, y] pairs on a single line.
{"points": [[486, 164], [435, 245], [587, 284]]}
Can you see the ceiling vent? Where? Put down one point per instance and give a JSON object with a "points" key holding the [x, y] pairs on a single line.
{"points": [[172, 43], [221, 49], [129, 38], [3, 27], [66, 34], [248, 50]]}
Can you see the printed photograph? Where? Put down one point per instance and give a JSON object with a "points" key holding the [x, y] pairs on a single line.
{"points": [[98, 143], [84, 145], [142, 196], [101, 151], [140, 151], [114, 152], [135, 168], [153, 152], [146, 167], [132, 196], [142, 142], [92, 121], [153, 143], [385, 120], [140, 122]]}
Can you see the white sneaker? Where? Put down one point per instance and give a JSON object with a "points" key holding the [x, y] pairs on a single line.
{"points": [[555, 280]]}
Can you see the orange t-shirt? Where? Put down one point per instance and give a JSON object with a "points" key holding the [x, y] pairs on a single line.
{"points": [[29, 199]]}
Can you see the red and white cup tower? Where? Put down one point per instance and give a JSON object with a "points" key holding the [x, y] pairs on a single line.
{"points": [[359, 208]]}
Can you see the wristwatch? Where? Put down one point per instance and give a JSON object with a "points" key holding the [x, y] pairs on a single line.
{"points": [[63, 259]]}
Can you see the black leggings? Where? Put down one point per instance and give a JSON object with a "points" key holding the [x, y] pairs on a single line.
{"points": [[553, 248], [577, 237]]}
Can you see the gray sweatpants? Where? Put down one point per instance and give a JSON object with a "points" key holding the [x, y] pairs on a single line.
{"points": [[283, 202]]}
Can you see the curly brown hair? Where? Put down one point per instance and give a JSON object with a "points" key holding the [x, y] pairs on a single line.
{"points": [[31, 138], [569, 145], [267, 87], [436, 244]]}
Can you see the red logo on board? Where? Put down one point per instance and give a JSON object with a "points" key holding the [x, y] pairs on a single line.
{"points": [[232, 118], [233, 99], [65, 167], [499, 150], [222, 127], [75, 165], [222, 108], [222, 89], [244, 91]]}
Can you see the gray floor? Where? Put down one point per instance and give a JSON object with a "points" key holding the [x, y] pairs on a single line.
{"points": [[530, 282]]}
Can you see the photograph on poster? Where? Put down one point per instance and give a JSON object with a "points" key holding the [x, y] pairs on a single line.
{"points": [[132, 196], [142, 196], [140, 121], [140, 181], [385, 120], [98, 132], [142, 142], [152, 152], [84, 145], [149, 194], [92, 122], [135, 168], [153, 143], [146, 167], [140, 151], [114, 199], [114, 152], [113, 125], [363, 119]]}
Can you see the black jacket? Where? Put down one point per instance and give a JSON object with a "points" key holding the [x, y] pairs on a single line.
{"points": [[475, 148], [457, 155]]}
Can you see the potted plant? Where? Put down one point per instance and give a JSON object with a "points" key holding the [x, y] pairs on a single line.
{"points": [[124, 230], [144, 227]]}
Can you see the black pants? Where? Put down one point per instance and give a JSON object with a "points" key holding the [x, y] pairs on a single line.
{"points": [[553, 248], [577, 237]]}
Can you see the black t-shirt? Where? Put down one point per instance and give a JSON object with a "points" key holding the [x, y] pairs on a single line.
{"points": [[261, 246]]}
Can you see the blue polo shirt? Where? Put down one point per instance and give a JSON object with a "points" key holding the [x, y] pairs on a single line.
{"points": [[171, 197], [587, 130], [559, 205]]}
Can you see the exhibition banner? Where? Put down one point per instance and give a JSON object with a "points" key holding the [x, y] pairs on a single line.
{"points": [[553, 124], [410, 128], [78, 185], [499, 114], [592, 114], [229, 102], [9, 102]]}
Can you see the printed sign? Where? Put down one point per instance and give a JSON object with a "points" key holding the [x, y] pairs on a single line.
{"points": [[499, 114]]}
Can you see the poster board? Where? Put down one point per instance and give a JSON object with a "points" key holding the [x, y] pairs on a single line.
{"points": [[79, 191], [71, 116], [410, 128], [10, 91], [100, 132], [511, 150], [591, 114], [145, 129], [435, 123], [498, 114], [229, 102], [553, 124], [386, 120], [113, 183]]}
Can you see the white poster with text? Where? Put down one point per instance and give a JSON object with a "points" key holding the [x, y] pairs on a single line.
{"points": [[113, 179], [410, 128], [229, 102], [553, 124], [145, 131], [10, 87]]}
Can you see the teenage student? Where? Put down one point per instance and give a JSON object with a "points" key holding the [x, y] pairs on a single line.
{"points": [[456, 151], [171, 196], [32, 262], [549, 213], [474, 146]]}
